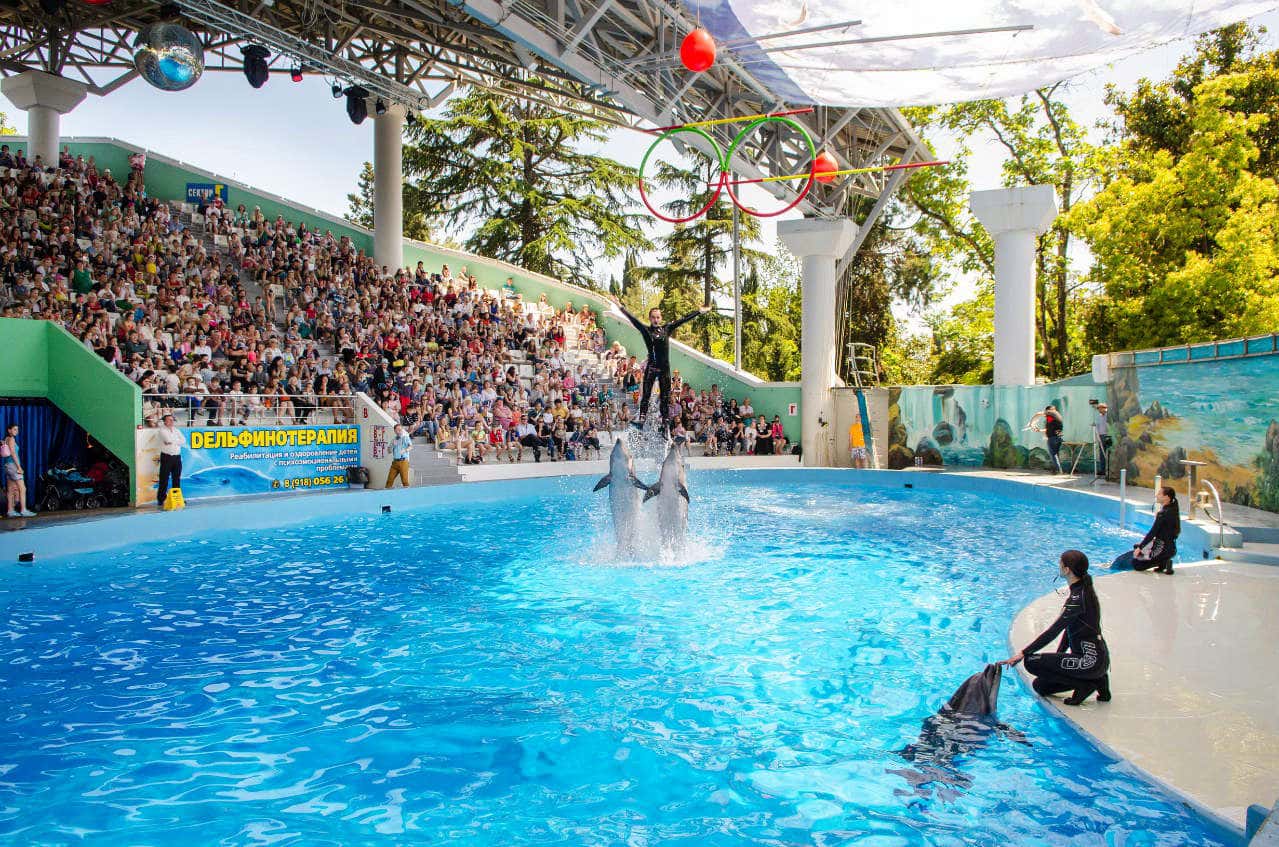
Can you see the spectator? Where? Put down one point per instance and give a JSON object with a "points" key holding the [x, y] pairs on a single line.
{"points": [[15, 482], [857, 442], [401, 448], [171, 443]]}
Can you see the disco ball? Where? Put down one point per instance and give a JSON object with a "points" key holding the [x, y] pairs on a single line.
{"points": [[168, 56]]}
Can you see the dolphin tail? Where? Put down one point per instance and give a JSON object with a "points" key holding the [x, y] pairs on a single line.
{"points": [[683, 492], [605, 482], [652, 491]]}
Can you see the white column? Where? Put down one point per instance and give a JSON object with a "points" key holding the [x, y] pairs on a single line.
{"points": [[818, 244], [45, 98], [1015, 218], [388, 187]]}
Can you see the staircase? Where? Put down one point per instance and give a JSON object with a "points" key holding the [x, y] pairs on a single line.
{"points": [[431, 467], [1260, 546]]}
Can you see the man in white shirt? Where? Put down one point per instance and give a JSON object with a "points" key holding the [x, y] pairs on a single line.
{"points": [[171, 443]]}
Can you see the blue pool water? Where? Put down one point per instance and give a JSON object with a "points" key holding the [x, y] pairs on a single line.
{"points": [[484, 674]]}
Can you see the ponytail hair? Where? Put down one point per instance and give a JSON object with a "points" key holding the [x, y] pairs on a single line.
{"points": [[1077, 563]]}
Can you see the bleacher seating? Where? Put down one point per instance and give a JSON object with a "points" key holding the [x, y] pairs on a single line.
{"points": [[228, 317]]}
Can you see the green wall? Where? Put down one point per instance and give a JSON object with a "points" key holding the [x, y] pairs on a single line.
{"points": [[44, 360]]}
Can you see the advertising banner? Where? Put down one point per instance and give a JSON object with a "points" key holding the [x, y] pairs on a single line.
{"points": [[198, 192], [237, 461]]}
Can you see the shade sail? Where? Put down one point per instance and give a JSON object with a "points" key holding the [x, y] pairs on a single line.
{"points": [[1067, 37]]}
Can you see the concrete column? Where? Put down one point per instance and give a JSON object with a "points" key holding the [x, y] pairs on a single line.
{"points": [[388, 187], [818, 244], [45, 98], [1015, 218]]}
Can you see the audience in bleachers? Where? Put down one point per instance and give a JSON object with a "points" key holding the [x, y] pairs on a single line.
{"points": [[232, 318]]}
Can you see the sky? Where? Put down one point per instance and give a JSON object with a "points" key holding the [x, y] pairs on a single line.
{"points": [[294, 139]]}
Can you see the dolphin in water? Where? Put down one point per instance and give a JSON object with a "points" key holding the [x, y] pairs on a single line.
{"points": [[960, 727], [671, 493], [624, 493]]}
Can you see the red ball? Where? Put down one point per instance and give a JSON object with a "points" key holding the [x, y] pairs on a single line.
{"points": [[698, 51], [824, 167]]}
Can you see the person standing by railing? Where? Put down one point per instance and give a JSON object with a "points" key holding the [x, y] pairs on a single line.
{"points": [[171, 443], [401, 448]]}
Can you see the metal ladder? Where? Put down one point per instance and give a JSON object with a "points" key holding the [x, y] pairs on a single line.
{"points": [[863, 368]]}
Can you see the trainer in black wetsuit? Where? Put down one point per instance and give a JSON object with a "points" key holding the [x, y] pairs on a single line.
{"points": [[1162, 538], [1082, 660], [657, 338]]}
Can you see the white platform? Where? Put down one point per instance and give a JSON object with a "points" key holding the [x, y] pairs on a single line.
{"points": [[1195, 678]]}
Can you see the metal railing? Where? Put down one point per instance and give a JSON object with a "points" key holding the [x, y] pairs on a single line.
{"points": [[243, 409], [1218, 517]]}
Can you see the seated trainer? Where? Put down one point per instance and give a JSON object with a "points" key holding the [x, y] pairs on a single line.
{"points": [[1083, 669], [1155, 551], [657, 338]]}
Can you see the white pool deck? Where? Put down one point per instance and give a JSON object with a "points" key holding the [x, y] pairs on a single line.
{"points": [[1194, 677], [1195, 656]]}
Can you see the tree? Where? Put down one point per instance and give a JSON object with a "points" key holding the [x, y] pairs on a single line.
{"points": [[514, 170], [771, 318], [963, 345], [695, 253], [5, 128], [1043, 146], [1183, 234], [360, 208]]}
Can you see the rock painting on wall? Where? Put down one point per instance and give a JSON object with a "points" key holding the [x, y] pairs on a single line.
{"points": [[984, 425], [1220, 411]]}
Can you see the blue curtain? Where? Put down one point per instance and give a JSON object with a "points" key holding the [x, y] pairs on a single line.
{"points": [[46, 437]]}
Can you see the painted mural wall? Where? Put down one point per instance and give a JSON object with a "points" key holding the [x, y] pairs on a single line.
{"points": [[984, 425], [1222, 411]]}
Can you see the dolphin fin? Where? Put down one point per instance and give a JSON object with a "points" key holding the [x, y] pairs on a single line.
{"points": [[605, 482], [683, 492], [653, 491], [635, 482]]}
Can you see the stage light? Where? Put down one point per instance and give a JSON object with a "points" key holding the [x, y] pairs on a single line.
{"points": [[255, 67], [357, 107], [336, 88], [168, 56], [296, 73], [380, 107]]}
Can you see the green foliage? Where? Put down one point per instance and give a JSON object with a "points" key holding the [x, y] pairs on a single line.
{"points": [[360, 208], [964, 341], [514, 170], [771, 318], [1184, 234], [1043, 145], [5, 128], [695, 254]]}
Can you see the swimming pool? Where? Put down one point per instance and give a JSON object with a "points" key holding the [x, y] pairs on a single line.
{"points": [[480, 672]]}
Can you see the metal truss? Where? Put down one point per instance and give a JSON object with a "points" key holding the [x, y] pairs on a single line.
{"points": [[605, 58]]}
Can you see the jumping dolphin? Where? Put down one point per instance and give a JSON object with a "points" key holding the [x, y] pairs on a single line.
{"points": [[671, 492], [960, 727], [623, 497]]}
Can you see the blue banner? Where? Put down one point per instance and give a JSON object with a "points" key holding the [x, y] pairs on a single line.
{"points": [[234, 461], [204, 192]]}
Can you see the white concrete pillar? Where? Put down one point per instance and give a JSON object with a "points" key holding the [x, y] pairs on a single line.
{"points": [[818, 244], [388, 187], [1015, 218], [45, 98]]}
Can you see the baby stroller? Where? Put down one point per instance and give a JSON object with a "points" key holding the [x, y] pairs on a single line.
{"points": [[67, 488]]}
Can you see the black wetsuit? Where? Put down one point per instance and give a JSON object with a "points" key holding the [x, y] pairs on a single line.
{"points": [[1088, 658], [657, 338], [1053, 427], [1163, 540]]}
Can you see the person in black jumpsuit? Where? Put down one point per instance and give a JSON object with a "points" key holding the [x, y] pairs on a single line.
{"points": [[1155, 551], [1082, 660], [657, 338]]}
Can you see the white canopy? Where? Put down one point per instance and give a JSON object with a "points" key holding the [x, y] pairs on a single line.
{"points": [[1065, 38]]}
